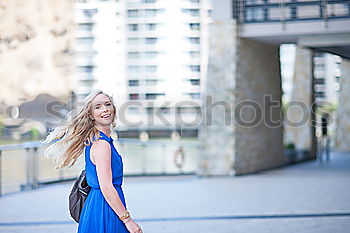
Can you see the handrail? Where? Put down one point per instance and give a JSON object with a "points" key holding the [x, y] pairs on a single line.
{"points": [[34, 144], [24, 145], [244, 9], [31, 159], [31, 179]]}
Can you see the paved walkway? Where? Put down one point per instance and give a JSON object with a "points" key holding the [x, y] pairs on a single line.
{"points": [[304, 198]]}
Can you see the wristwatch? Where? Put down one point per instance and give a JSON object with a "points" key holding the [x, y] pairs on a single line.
{"points": [[126, 215]]}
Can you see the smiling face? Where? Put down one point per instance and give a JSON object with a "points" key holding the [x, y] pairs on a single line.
{"points": [[103, 111]]}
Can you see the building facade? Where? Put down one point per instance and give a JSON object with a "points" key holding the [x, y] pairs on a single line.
{"points": [[327, 73], [248, 76], [151, 55]]}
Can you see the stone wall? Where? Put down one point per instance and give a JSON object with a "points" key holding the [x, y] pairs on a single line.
{"points": [[216, 134], [298, 130], [258, 144], [343, 111], [240, 70], [36, 49]]}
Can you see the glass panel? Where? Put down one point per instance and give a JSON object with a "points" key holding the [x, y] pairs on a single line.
{"points": [[308, 11], [194, 26], [254, 14], [133, 13], [337, 10], [133, 83], [279, 13]]}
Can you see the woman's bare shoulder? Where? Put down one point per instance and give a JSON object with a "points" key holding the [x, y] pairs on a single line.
{"points": [[100, 148], [100, 145]]}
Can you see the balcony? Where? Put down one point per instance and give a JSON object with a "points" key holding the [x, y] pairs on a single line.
{"points": [[290, 10], [322, 25]]}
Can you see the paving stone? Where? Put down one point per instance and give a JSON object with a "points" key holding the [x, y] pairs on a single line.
{"points": [[174, 204]]}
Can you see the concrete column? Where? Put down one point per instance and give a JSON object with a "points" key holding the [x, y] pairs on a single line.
{"points": [[298, 114], [258, 85], [216, 133], [241, 73], [343, 111]]}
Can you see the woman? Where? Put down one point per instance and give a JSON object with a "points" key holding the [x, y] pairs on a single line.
{"points": [[104, 210]]}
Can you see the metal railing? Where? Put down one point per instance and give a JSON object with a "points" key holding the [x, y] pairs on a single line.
{"points": [[261, 11], [24, 166], [31, 149]]}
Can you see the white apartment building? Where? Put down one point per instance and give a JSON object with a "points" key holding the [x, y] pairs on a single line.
{"points": [[151, 55], [99, 47], [327, 73], [287, 58]]}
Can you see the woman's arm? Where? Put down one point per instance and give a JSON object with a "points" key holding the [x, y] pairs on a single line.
{"points": [[101, 153]]}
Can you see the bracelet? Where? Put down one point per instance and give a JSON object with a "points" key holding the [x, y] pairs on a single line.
{"points": [[126, 215], [127, 220]]}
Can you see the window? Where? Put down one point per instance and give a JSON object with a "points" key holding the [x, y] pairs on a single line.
{"points": [[319, 94], [320, 81], [210, 13], [195, 68], [195, 82], [153, 96], [194, 26], [149, 110], [133, 13], [194, 54], [194, 40], [134, 96], [151, 54], [192, 12], [151, 68], [86, 69], [85, 41], [133, 83], [133, 68], [133, 27], [320, 67], [85, 26], [86, 53], [164, 110], [89, 13], [190, 110], [152, 12], [151, 40], [133, 55], [255, 14], [151, 82], [133, 40], [134, 110], [195, 96], [151, 26]]}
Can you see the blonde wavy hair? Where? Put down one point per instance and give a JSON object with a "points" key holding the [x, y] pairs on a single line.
{"points": [[69, 139]]}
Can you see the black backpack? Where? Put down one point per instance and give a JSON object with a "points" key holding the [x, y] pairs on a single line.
{"points": [[78, 195]]}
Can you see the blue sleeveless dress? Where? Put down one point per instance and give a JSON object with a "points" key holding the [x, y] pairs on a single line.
{"points": [[97, 216]]}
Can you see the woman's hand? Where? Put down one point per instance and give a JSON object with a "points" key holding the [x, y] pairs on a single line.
{"points": [[133, 227]]}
